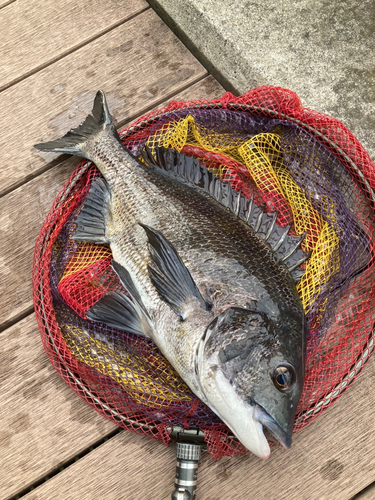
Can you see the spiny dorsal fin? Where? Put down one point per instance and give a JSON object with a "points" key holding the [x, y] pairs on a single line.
{"points": [[170, 276], [188, 170], [92, 220], [118, 311]]}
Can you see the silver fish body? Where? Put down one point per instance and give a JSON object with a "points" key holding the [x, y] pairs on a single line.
{"points": [[205, 287]]}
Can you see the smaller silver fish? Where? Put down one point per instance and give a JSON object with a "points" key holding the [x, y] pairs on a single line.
{"points": [[209, 274]]}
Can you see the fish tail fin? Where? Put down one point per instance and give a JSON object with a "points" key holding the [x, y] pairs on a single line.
{"points": [[74, 141]]}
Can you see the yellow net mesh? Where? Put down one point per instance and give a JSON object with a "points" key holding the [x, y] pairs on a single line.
{"points": [[176, 134], [86, 255], [128, 370], [262, 156]]}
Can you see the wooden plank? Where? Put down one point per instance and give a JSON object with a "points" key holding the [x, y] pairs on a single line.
{"points": [[18, 234], [368, 493], [332, 459], [139, 64], [43, 422], [34, 34], [29, 382], [5, 3]]}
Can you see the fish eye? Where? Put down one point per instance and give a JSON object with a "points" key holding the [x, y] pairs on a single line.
{"points": [[284, 377]]}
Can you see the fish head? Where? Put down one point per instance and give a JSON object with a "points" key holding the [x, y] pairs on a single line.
{"points": [[250, 368]]}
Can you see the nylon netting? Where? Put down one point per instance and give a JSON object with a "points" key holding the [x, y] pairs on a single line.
{"points": [[303, 164]]}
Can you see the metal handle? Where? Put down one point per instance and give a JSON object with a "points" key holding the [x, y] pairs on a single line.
{"points": [[187, 455]]}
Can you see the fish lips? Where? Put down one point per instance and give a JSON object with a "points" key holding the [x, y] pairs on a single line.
{"points": [[263, 417]]}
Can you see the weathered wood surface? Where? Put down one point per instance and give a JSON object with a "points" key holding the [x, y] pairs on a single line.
{"points": [[34, 34], [43, 423], [5, 3], [139, 64], [332, 459], [368, 493], [18, 234]]}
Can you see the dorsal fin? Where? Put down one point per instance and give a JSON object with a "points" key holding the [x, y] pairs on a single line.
{"points": [[188, 170]]}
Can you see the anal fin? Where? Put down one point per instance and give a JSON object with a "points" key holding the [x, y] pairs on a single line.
{"points": [[127, 283], [92, 220]]}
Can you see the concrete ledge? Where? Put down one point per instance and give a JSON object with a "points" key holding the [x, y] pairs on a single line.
{"points": [[324, 51]]}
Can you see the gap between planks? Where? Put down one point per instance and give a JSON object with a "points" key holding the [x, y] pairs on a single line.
{"points": [[331, 459], [367, 493], [16, 319], [37, 197], [120, 125], [61, 467], [68, 52], [6, 3], [37, 34]]}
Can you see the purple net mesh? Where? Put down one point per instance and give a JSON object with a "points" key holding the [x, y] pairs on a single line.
{"points": [[125, 377]]}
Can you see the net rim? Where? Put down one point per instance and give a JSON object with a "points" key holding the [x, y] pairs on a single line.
{"points": [[318, 407], [128, 131]]}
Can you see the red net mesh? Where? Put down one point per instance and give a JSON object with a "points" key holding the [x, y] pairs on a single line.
{"points": [[303, 164]]}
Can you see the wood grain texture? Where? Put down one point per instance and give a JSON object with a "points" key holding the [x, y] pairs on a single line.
{"points": [[139, 64], [18, 234], [368, 493], [43, 422], [30, 446], [331, 459], [34, 199], [5, 3], [33, 34]]}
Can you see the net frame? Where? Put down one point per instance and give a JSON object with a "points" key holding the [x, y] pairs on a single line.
{"points": [[268, 101]]}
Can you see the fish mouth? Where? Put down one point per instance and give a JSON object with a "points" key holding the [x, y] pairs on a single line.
{"points": [[264, 418]]}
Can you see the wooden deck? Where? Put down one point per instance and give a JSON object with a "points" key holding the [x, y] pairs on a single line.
{"points": [[53, 59]]}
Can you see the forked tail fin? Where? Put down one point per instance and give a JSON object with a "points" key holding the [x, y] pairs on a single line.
{"points": [[73, 142]]}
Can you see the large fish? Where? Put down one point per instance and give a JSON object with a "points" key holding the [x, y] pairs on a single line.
{"points": [[211, 278]]}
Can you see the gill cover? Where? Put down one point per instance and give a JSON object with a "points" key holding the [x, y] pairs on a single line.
{"points": [[235, 367]]}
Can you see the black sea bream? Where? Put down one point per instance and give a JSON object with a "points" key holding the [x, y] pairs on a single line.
{"points": [[207, 272]]}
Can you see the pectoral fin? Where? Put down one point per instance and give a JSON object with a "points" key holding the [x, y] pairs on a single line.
{"points": [[170, 276]]}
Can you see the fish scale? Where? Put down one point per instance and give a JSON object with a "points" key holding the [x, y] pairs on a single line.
{"points": [[204, 285], [184, 215]]}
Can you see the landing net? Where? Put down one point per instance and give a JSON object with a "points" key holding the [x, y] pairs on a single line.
{"points": [[306, 166]]}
